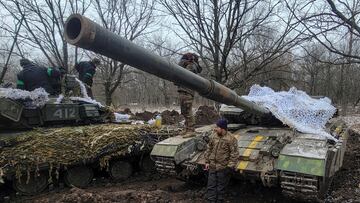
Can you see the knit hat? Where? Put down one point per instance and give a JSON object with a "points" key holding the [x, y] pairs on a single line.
{"points": [[222, 123]]}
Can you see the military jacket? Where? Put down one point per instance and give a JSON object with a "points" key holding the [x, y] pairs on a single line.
{"points": [[222, 152], [33, 76], [191, 66], [86, 70]]}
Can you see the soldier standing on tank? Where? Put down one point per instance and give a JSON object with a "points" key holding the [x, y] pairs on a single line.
{"points": [[86, 70], [189, 61], [221, 157], [33, 76]]}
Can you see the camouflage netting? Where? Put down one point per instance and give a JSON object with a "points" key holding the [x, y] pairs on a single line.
{"points": [[61, 147], [38, 97], [82, 97], [295, 108]]}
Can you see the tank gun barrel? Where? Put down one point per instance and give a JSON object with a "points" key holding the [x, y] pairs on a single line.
{"points": [[82, 32]]}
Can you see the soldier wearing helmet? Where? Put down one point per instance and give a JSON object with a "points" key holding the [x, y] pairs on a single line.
{"points": [[86, 70], [189, 61]]}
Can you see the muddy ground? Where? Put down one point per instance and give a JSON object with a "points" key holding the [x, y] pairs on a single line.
{"points": [[346, 183], [154, 188], [142, 188]]}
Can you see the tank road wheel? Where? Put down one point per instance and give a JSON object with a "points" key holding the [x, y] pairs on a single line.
{"points": [[120, 170], [147, 165], [33, 185], [79, 176]]}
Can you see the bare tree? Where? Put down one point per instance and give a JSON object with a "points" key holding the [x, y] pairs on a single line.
{"points": [[240, 42], [212, 27], [43, 26], [79, 7], [332, 24], [5, 67], [313, 66], [131, 19], [267, 54]]}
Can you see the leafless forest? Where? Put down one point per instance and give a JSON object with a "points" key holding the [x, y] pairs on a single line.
{"points": [[312, 45]]}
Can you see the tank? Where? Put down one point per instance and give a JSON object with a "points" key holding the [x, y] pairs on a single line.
{"points": [[66, 140], [301, 164]]}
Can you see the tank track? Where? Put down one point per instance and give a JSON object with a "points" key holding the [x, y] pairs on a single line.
{"points": [[300, 186], [165, 166]]}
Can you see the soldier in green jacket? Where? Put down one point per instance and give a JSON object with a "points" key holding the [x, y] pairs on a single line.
{"points": [[87, 70], [33, 76]]}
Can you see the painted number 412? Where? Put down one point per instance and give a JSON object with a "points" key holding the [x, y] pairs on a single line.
{"points": [[65, 113]]}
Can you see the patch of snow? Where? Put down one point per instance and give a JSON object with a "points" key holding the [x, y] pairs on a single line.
{"points": [[137, 122], [82, 89], [59, 99], [91, 101], [85, 97], [295, 108], [121, 117], [38, 97]]}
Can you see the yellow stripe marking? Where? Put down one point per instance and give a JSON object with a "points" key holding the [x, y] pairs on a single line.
{"points": [[243, 164], [258, 138], [252, 145]]}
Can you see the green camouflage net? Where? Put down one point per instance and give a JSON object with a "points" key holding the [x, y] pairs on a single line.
{"points": [[54, 148]]}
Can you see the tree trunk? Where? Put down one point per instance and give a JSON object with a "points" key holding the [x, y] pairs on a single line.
{"points": [[108, 94], [2, 75], [341, 91]]}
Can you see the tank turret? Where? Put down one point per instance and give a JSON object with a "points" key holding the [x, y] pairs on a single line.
{"points": [[23, 109]]}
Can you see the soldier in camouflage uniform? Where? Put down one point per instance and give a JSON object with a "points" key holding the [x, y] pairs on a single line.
{"points": [[221, 157], [190, 62]]}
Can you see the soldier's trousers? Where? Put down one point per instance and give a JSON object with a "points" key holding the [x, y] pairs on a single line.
{"points": [[216, 186], [186, 101]]}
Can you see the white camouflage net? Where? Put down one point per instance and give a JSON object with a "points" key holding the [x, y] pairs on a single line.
{"points": [[85, 97], [38, 96], [295, 108]]}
